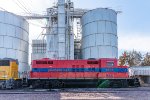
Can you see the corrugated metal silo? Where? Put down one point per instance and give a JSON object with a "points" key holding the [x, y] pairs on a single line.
{"points": [[99, 34], [14, 37]]}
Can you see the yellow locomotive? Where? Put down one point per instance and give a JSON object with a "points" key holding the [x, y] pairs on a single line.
{"points": [[8, 69], [9, 73]]}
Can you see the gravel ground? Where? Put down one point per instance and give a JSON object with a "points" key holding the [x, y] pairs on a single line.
{"points": [[141, 93]]}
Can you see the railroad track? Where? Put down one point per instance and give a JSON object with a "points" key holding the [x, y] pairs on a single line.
{"points": [[48, 91], [75, 94]]}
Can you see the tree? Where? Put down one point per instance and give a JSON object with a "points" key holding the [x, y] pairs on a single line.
{"points": [[146, 60], [132, 58], [123, 59]]}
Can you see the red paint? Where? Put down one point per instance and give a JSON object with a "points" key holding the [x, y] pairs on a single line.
{"points": [[101, 63]]}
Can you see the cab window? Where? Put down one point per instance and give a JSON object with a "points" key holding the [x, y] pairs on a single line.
{"points": [[4, 63], [109, 64]]}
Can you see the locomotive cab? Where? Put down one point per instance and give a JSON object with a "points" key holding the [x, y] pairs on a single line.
{"points": [[8, 69]]}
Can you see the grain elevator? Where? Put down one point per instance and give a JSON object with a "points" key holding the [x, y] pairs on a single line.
{"points": [[75, 33]]}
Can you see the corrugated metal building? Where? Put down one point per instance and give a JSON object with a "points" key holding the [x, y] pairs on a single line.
{"points": [[142, 71], [38, 49]]}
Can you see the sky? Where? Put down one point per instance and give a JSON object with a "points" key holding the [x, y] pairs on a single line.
{"points": [[133, 22]]}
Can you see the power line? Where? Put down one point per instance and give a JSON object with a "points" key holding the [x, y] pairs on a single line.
{"points": [[23, 6], [3, 9], [29, 10], [20, 6], [29, 4]]}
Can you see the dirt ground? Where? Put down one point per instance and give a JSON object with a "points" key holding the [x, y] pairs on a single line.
{"points": [[141, 93]]}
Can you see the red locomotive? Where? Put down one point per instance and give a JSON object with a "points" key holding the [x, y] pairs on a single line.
{"points": [[47, 73]]}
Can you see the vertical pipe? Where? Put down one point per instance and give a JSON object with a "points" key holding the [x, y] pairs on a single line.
{"points": [[69, 32], [61, 30], [48, 35]]}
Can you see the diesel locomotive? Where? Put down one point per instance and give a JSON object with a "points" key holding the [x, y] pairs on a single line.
{"points": [[104, 72]]}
